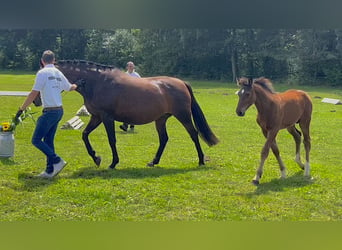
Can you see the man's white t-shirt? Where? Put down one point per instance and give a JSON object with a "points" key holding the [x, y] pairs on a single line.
{"points": [[50, 82], [134, 74]]}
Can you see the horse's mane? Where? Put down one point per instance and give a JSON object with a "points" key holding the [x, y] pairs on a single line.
{"points": [[86, 65], [265, 84]]}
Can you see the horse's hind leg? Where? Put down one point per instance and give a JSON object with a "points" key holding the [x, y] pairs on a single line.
{"points": [[189, 126], [297, 138], [276, 153], [305, 127], [163, 138], [93, 124]]}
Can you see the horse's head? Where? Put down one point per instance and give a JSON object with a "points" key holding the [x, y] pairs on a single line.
{"points": [[246, 95]]}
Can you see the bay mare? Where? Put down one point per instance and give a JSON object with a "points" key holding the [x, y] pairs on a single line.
{"points": [[112, 95], [277, 111]]}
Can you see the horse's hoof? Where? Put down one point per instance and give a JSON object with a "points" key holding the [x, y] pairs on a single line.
{"points": [[113, 165], [98, 161], [150, 164], [255, 182]]}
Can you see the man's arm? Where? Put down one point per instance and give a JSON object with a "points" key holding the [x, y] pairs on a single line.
{"points": [[29, 99]]}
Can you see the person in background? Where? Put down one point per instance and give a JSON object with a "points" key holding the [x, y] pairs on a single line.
{"points": [[130, 71], [49, 83]]}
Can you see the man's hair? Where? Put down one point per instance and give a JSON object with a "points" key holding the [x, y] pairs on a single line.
{"points": [[48, 56], [130, 63]]}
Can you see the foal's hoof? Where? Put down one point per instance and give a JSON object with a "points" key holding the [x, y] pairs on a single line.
{"points": [[255, 182], [300, 164]]}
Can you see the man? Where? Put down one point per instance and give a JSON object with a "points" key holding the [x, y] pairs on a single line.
{"points": [[49, 82], [130, 71]]}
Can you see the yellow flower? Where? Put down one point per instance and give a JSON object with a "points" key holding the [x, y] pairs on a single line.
{"points": [[6, 126]]}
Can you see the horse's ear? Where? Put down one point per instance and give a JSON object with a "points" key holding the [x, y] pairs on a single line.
{"points": [[237, 81]]}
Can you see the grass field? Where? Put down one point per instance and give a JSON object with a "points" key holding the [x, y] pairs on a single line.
{"points": [[178, 189]]}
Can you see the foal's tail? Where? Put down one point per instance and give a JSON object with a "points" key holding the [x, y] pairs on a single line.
{"points": [[200, 122]]}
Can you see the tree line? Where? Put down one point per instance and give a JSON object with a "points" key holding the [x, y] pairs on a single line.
{"points": [[303, 56]]}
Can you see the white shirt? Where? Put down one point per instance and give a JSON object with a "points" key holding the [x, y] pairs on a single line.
{"points": [[50, 82], [134, 74]]}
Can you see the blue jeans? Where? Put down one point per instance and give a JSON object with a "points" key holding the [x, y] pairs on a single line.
{"points": [[44, 135]]}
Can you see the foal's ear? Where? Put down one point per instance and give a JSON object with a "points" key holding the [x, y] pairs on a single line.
{"points": [[250, 81], [241, 81]]}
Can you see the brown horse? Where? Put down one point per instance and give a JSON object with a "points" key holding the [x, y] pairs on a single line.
{"points": [[277, 111], [112, 95]]}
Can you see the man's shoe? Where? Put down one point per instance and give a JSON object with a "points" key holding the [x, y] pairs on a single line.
{"points": [[57, 167], [45, 175]]}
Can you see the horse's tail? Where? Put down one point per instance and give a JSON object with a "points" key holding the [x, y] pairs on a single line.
{"points": [[200, 122]]}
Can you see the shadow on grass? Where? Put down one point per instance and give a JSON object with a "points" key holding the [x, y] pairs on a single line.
{"points": [[32, 183], [132, 173], [279, 185], [7, 161]]}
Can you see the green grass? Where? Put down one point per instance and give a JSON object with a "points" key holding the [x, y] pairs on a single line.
{"points": [[177, 189]]}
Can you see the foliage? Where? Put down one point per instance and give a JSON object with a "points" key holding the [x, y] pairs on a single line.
{"points": [[177, 189], [11, 126], [305, 56]]}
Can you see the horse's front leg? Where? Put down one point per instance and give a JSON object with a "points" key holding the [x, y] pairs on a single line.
{"points": [[264, 154], [93, 124], [108, 122]]}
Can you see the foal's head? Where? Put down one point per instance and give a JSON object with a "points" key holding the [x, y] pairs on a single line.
{"points": [[246, 95]]}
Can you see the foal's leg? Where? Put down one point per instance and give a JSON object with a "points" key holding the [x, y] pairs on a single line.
{"points": [[275, 150], [189, 126], [271, 135], [163, 138], [276, 153], [92, 124], [305, 127], [297, 137], [108, 122]]}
